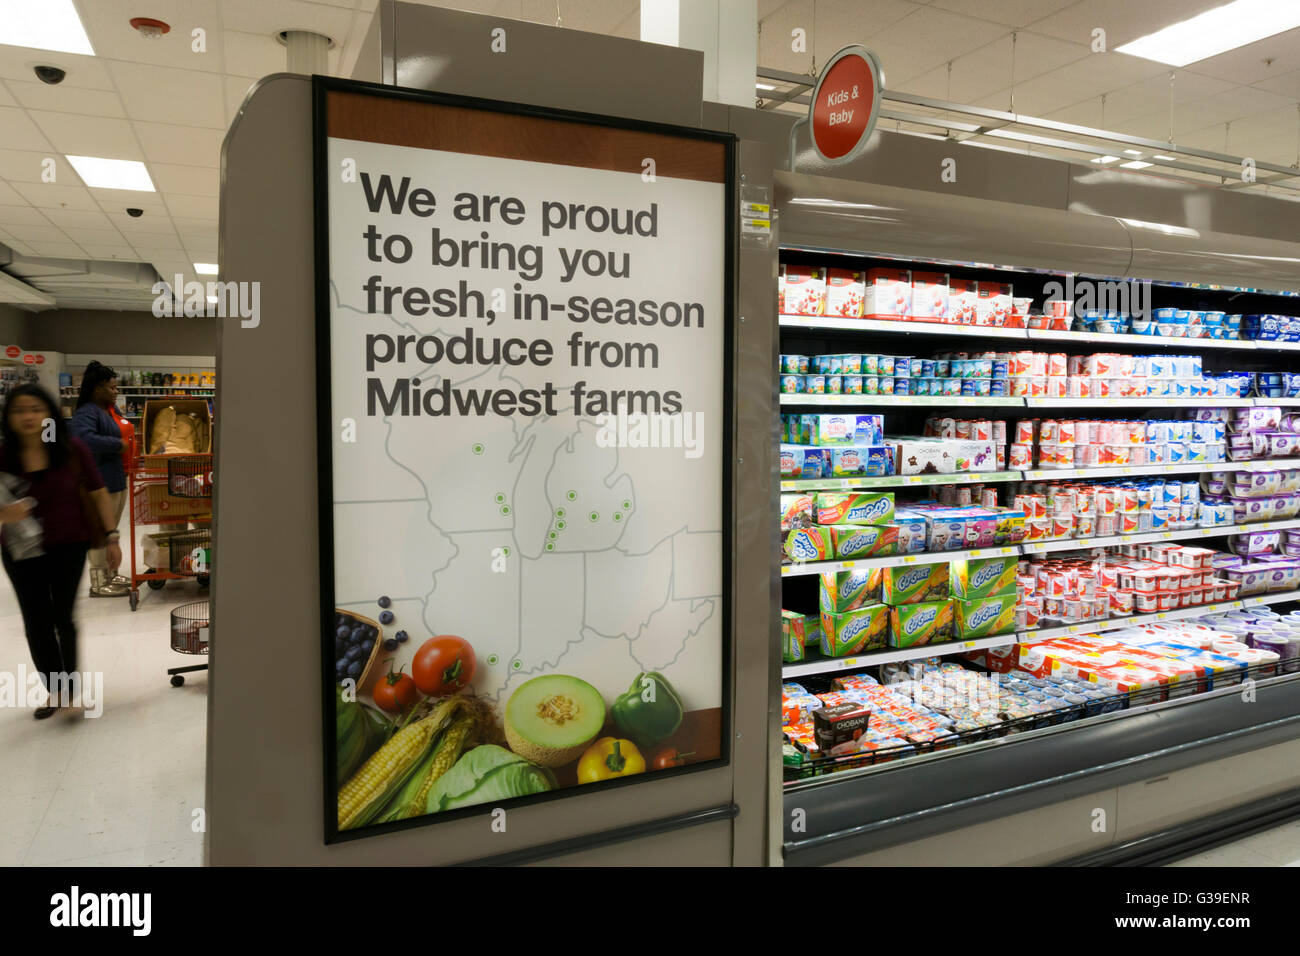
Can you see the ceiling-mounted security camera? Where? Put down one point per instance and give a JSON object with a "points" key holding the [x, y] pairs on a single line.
{"points": [[52, 75], [135, 213]]}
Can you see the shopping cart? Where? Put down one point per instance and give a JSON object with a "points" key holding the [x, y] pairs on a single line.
{"points": [[171, 492], [190, 635]]}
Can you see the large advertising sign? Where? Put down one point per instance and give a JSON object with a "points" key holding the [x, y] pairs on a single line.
{"points": [[523, 344]]}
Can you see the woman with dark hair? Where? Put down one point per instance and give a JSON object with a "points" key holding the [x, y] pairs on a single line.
{"points": [[99, 430], [73, 509]]}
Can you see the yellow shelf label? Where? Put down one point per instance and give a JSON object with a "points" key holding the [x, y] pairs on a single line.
{"points": [[847, 565], [909, 559]]}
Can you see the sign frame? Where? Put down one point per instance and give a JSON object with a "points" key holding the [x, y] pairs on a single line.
{"points": [[322, 86], [878, 79]]}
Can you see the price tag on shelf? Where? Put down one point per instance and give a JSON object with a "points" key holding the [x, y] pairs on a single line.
{"points": [[847, 565], [914, 479], [848, 662], [1166, 535], [1074, 628], [1004, 552], [968, 646], [1161, 616], [1126, 471], [909, 559]]}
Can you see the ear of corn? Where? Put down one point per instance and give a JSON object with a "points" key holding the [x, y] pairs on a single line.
{"points": [[386, 770]]}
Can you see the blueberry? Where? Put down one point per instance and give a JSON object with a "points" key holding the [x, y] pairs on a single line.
{"points": [[390, 644], [358, 634], [354, 653], [354, 669], [341, 668], [402, 637], [385, 617], [366, 645], [372, 631], [385, 601], [342, 632]]}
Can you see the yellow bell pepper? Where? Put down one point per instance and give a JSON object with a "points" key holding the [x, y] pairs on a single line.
{"points": [[608, 758]]}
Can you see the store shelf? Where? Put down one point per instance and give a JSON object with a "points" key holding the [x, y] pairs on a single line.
{"points": [[875, 401], [1120, 471], [1280, 402], [828, 664], [896, 327], [1110, 624], [1265, 345], [1142, 341], [895, 560], [896, 481], [1147, 537], [1150, 401]]}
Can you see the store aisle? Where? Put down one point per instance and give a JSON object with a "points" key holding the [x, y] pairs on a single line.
{"points": [[119, 789], [1279, 846]]}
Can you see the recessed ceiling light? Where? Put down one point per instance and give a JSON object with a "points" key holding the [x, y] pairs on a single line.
{"points": [[1135, 164], [1167, 159], [764, 86], [1215, 31], [100, 173], [43, 25], [206, 268], [1106, 159], [1133, 152]]}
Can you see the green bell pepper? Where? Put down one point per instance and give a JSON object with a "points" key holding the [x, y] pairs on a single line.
{"points": [[650, 711]]}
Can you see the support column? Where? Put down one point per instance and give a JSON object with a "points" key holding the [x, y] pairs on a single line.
{"points": [[725, 31]]}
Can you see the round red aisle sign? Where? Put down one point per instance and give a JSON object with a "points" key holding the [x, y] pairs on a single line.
{"points": [[40, 359], [845, 103], [12, 351], [29, 359]]}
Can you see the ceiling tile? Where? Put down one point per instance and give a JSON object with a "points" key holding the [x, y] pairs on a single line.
{"points": [[1251, 63], [83, 72], [89, 135], [10, 196], [1288, 84], [5, 98], [77, 222], [186, 225], [1123, 20], [99, 250], [104, 233], [928, 38], [27, 233], [66, 99], [186, 147], [108, 22], [17, 131], [192, 207], [268, 19], [169, 95], [1083, 79], [253, 55], [155, 253], [58, 250], [23, 166], [856, 19], [191, 180], [28, 215], [1013, 13], [56, 195], [988, 69]]}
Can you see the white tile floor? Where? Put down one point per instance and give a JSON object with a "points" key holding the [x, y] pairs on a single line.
{"points": [[119, 789], [1277, 847]]}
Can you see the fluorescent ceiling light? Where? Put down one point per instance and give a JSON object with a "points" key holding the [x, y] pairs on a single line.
{"points": [[100, 173], [1216, 31], [765, 86], [1106, 159], [206, 268], [1133, 152], [1135, 164], [1167, 159], [43, 25]]}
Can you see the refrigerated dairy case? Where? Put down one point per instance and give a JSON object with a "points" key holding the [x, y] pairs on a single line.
{"points": [[1039, 499]]}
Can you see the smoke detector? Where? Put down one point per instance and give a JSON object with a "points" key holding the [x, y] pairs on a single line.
{"points": [[150, 28]]}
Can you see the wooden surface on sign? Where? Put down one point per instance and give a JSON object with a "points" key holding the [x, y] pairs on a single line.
{"points": [[398, 122]]}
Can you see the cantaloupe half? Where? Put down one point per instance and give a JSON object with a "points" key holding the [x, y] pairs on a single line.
{"points": [[550, 720]]}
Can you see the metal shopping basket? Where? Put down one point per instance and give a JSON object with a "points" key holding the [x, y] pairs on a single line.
{"points": [[190, 631], [189, 476]]}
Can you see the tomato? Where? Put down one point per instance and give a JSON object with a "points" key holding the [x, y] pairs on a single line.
{"points": [[396, 692], [443, 665], [666, 758]]}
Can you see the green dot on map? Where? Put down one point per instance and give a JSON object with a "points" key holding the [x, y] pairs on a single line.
{"points": [[627, 506], [572, 495], [618, 516], [594, 516], [516, 663], [506, 552], [505, 509], [559, 512], [500, 497], [560, 525], [478, 448], [550, 546], [492, 658], [552, 536]]}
